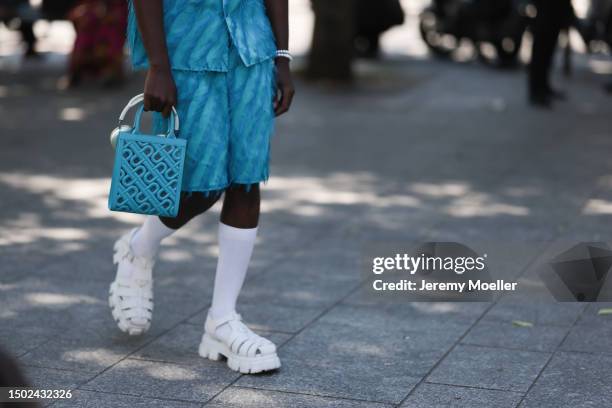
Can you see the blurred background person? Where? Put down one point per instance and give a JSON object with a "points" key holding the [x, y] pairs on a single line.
{"points": [[372, 18], [100, 27], [552, 16], [19, 14], [345, 29], [597, 27]]}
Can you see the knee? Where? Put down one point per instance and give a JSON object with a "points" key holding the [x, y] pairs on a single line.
{"points": [[241, 205], [242, 198], [198, 203], [191, 206]]}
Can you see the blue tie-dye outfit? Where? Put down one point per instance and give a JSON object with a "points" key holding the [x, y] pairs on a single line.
{"points": [[222, 57]]}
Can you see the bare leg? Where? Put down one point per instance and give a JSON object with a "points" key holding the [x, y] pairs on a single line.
{"points": [[191, 206], [241, 207]]}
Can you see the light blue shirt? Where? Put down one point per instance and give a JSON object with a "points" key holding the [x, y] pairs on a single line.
{"points": [[199, 34]]}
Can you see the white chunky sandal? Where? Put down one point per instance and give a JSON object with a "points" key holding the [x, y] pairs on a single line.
{"points": [[246, 352], [131, 293]]}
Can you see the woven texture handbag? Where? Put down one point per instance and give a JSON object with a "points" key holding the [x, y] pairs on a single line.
{"points": [[148, 169]]}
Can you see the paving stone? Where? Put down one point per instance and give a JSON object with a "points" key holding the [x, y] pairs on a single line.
{"points": [[239, 397], [429, 395], [18, 341], [79, 354], [485, 367], [414, 316], [501, 228], [50, 378], [358, 352], [352, 349], [96, 321], [89, 348], [350, 331], [337, 257], [278, 237], [506, 335], [333, 380], [589, 338], [179, 280], [591, 316], [179, 345], [389, 223], [573, 380], [90, 399], [81, 310], [33, 307], [538, 313], [196, 382], [309, 285], [592, 332], [270, 317]]}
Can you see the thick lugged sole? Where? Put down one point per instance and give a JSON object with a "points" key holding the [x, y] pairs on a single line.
{"points": [[123, 325], [213, 350]]}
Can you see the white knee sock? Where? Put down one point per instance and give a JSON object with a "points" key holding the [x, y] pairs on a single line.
{"points": [[148, 238], [235, 249]]}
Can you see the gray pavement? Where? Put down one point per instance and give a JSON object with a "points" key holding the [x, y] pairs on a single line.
{"points": [[419, 150]]}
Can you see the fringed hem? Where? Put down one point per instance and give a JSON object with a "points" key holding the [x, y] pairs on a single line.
{"points": [[217, 191]]}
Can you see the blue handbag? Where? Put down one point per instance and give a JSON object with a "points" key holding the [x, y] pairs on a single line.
{"points": [[148, 169]]}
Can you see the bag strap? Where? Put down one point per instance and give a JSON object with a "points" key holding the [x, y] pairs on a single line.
{"points": [[137, 118], [139, 99]]}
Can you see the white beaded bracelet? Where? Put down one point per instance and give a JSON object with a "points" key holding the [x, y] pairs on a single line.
{"points": [[284, 54]]}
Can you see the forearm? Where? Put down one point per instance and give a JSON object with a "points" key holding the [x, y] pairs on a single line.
{"points": [[150, 17], [278, 13]]}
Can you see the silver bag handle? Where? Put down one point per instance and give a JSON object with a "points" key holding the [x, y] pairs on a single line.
{"points": [[139, 99]]}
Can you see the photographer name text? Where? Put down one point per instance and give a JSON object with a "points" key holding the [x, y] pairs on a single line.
{"points": [[429, 286]]}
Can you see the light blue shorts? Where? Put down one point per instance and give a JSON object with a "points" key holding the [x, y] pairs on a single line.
{"points": [[227, 119]]}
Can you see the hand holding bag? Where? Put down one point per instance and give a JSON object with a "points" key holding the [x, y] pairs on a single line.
{"points": [[148, 169]]}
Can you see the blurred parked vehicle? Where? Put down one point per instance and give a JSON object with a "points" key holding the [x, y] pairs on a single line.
{"points": [[500, 23]]}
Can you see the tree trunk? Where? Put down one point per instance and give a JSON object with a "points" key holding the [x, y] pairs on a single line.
{"points": [[331, 53]]}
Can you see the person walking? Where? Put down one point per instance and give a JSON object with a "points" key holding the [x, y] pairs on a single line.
{"points": [[20, 10], [552, 16], [224, 65], [371, 20]]}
